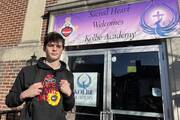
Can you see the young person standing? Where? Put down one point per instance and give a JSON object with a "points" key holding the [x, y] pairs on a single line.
{"points": [[47, 87]]}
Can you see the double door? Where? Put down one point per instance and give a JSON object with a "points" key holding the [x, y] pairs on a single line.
{"points": [[127, 83]]}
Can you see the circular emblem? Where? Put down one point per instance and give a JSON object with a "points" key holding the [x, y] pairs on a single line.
{"points": [[67, 31], [53, 98], [83, 81]]}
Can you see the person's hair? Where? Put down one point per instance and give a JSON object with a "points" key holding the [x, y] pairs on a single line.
{"points": [[53, 37]]}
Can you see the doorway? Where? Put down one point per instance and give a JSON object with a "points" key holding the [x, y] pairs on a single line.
{"points": [[129, 83]]}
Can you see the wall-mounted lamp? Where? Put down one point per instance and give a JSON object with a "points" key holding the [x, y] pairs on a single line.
{"points": [[32, 61]]}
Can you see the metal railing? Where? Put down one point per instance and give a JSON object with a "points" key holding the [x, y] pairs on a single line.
{"points": [[15, 115], [10, 114]]}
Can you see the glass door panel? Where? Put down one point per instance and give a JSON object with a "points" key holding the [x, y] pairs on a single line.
{"points": [[136, 86], [89, 64]]}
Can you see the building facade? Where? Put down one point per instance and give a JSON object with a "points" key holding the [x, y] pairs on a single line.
{"points": [[122, 69]]}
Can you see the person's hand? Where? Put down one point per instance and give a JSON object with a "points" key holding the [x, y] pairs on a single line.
{"points": [[65, 87], [34, 90]]}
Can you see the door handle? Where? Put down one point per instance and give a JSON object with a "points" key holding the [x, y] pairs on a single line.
{"points": [[106, 115], [102, 115]]}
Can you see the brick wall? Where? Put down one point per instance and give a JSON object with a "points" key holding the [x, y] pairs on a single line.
{"points": [[12, 15], [8, 73]]}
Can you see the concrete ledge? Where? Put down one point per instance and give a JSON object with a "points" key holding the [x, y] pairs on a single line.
{"points": [[83, 3], [20, 53]]}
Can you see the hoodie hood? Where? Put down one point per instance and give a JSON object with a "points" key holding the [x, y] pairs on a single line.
{"points": [[42, 65]]}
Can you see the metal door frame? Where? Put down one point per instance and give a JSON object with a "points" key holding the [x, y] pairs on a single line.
{"points": [[95, 52], [163, 66], [107, 113]]}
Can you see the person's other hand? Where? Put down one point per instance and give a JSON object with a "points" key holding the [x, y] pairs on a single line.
{"points": [[34, 90], [65, 87]]}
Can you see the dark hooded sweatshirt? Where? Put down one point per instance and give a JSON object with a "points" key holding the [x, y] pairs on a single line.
{"points": [[51, 104]]}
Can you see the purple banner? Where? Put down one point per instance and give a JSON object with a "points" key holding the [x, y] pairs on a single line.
{"points": [[139, 21]]}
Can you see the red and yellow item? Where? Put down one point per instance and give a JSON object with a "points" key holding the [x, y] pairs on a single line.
{"points": [[53, 97], [50, 92]]}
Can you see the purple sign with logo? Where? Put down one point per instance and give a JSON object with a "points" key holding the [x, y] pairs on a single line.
{"points": [[139, 21]]}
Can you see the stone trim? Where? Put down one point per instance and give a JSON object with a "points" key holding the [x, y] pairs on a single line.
{"points": [[84, 3], [20, 53], [33, 23]]}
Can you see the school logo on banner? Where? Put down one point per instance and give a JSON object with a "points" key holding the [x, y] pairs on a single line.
{"points": [[159, 19]]}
